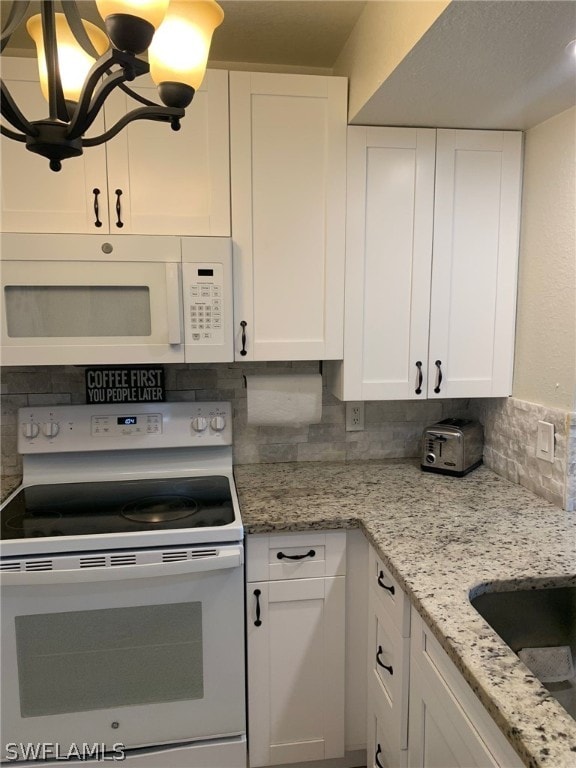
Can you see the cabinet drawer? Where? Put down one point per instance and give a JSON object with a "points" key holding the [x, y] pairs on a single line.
{"points": [[272, 557], [389, 594], [383, 748], [388, 659]]}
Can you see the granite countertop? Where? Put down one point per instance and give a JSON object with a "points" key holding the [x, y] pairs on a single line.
{"points": [[442, 537]]}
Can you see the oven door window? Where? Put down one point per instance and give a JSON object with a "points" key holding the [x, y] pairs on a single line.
{"points": [[95, 659]]}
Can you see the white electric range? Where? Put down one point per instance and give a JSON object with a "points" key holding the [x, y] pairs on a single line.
{"points": [[121, 558]]}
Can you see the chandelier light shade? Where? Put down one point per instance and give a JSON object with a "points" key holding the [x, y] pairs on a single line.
{"points": [[179, 51], [80, 66], [74, 62]]}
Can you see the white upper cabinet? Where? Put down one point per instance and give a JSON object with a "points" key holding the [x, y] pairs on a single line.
{"points": [[34, 198], [172, 182], [148, 179], [431, 260], [475, 258], [288, 172]]}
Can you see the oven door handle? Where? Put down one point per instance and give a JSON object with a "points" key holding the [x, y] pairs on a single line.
{"points": [[230, 558]]}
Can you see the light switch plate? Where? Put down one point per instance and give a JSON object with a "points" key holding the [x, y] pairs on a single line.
{"points": [[545, 441]]}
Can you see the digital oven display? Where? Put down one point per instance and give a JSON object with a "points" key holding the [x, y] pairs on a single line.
{"points": [[126, 421]]}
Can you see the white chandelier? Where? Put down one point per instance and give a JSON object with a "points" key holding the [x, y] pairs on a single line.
{"points": [[80, 66]]}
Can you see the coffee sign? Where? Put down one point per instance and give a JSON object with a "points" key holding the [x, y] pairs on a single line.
{"points": [[134, 384]]}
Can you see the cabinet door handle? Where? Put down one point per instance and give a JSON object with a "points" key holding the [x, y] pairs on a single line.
{"points": [[438, 365], [378, 752], [97, 222], [380, 663], [243, 325], [119, 222], [385, 586], [282, 556], [258, 622], [419, 378]]}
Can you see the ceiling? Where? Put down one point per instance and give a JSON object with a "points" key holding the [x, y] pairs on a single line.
{"points": [[483, 63]]}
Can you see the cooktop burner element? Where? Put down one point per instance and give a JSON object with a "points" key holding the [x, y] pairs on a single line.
{"points": [[159, 509]]}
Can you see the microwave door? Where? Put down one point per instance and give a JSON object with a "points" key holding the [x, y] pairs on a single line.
{"points": [[91, 312]]}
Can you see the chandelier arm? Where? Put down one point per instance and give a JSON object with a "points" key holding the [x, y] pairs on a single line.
{"points": [[12, 134], [136, 96], [10, 111], [70, 8], [56, 102], [87, 109], [130, 67], [162, 114], [15, 17]]}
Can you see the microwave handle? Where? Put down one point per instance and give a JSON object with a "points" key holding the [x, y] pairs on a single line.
{"points": [[174, 303], [231, 558]]}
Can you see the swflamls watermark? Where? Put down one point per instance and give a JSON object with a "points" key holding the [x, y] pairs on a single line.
{"points": [[47, 750]]}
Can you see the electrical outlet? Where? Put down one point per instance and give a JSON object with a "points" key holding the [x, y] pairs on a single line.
{"points": [[354, 417]]}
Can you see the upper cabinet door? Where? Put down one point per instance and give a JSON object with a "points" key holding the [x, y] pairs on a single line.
{"points": [[34, 198], [288, 170], [171, 182], [388, 260], [476, 229]]}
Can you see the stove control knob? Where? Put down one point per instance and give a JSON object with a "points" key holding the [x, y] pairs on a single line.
{"points": [[218, 423], [199, 424], [30, 430], [50, 428]]}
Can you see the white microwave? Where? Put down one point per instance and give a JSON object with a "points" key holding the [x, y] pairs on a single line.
{"points": [[89, 300]]}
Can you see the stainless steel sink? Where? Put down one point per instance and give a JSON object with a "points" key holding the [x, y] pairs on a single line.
{"points": [[535, 618]]}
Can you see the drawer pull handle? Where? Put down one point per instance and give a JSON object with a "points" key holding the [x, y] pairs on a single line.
{"points": [[380, 663], [282, 556], [258, 622], [438, 365], [385, 586], [378, 752], [418, 389]]}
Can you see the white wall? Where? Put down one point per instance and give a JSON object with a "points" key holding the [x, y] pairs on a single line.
{"points": [[545, 363], [383, 35]]}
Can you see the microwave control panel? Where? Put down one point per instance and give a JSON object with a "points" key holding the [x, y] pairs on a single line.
{"points": [[204, 305]]}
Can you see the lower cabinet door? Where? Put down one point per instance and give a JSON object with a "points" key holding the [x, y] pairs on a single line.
{"points": [[295, 632], [441, 736]]}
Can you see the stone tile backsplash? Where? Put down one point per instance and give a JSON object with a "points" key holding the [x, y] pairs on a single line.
{"points": [[510, 428], [392, 428]]}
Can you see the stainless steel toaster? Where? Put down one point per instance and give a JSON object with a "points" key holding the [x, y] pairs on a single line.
{"points": [[452, 447]]}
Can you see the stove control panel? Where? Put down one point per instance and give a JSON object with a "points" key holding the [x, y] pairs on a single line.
{"points": [[116, 427]]}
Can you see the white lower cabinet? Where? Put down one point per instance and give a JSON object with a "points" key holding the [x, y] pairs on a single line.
{"points": [[295, 605], [421, 711], [449, 727]]}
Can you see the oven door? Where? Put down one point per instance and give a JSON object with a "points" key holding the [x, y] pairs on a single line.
{"points": [[130, 655]]}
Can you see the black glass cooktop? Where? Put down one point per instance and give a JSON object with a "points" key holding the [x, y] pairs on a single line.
{"points": [[125, 506]]}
